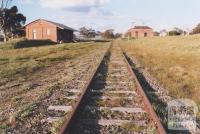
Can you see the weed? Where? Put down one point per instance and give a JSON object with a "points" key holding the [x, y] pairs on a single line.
{"points": [[173, 61]]}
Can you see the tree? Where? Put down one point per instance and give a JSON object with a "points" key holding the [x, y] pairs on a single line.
{"points": [[11, 21], [176, 31], [128, 34], [3, 6], [173, 33], [156, 33], [88, 33], [108, 34], [196, 30], [118, 35], [83, 31]]}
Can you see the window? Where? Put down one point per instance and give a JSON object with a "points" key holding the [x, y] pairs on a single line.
{"points": [[48, 31]]}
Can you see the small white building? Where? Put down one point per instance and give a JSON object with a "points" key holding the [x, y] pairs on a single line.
{"points": [[163, 33]]}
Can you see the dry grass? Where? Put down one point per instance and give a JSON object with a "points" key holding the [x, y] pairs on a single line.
{"points": [[173, 61]]}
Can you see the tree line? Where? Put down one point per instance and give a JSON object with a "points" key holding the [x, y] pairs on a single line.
{"points": [[91, 33]]}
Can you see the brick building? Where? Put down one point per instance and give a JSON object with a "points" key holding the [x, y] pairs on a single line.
{"points": [[141, 31], [47, 30]]}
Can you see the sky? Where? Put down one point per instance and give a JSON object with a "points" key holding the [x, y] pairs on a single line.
{"points": [[116, 14]]}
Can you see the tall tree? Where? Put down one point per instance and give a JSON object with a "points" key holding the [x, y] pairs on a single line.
{"points": [[196, 30], [108, 34], [88, 33], [3, 6], [118, 35], [11, 20], [176, 31]]}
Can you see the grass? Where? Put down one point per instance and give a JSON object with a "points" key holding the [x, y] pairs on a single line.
{"points": [[27, 60], [173, 61], [28, 76]]}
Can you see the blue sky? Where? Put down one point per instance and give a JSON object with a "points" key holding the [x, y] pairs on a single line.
{"points": [[117, 14]]}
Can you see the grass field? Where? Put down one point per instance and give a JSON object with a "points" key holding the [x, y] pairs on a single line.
{"points": [[31, 76], [173, 61], [27, 60]]}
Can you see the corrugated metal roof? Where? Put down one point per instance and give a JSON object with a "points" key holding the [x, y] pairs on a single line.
{"points": [[61, 25]]}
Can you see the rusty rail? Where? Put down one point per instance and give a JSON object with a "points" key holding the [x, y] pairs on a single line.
{"points": [[147, 103], [69, 121]]}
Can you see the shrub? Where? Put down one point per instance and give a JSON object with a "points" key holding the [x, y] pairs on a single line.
{"points": [[174, 33], [32, 43], [196, 30]]}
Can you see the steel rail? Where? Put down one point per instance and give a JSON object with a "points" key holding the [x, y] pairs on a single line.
{"points": [[148, 107], [147, 103], [65, 129]]}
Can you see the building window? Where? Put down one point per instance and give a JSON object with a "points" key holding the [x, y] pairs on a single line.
{"points": [[34, 34], [48, 31]]}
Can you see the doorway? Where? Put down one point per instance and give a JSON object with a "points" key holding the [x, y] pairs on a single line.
{"points": [[34, 34], [145, 34], [136, 34]]}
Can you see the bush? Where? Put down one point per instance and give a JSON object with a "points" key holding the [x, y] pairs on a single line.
{"points": [[196, 30], [32, 43], [174, 33]]}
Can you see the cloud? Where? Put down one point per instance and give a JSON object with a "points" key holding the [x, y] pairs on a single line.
{"points": [[96, 12], [25, 1], [72, 4]]}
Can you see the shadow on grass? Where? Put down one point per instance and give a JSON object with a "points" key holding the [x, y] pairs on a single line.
{"points": [[93, 40], [159, 106], [32, 43]]}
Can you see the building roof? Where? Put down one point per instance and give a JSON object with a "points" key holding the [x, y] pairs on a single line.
{"points": [[142, 27], [61, 26]]}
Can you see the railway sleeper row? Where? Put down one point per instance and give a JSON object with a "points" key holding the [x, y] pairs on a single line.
{"points": [[49, 114], [112, 104]]}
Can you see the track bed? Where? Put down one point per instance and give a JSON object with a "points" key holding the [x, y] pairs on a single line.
{"points": [[112, 104]]}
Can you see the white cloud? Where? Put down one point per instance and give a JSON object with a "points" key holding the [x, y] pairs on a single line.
{"points": [[99, 13], [72, 3], [25, 1]]}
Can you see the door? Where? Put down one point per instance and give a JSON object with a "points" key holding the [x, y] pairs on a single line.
{"points": [[136, 34], [34, 34], [145, 34]]}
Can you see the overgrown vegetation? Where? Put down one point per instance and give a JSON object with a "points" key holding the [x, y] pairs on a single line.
{"points": [[27, 60], [196, 30], [173, 61], [32, 43]]}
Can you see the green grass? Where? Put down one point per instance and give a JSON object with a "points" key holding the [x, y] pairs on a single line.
{"points": [[34, 64], [27, 60]]}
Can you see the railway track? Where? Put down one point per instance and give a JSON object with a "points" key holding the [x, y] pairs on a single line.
{"points": [[112, 102], [49, 111]]}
